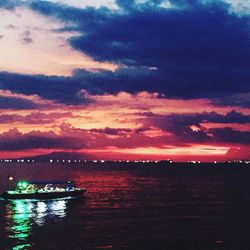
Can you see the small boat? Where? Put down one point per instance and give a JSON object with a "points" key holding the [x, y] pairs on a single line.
{"points": [[44, 190]]}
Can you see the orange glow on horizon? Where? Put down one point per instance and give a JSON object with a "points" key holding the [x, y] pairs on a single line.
{"points": [[206, 150]]}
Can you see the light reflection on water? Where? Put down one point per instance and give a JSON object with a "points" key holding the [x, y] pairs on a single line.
{"points": [[21, 215]]}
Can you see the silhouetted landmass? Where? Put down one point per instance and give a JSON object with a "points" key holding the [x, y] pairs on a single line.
{"points": [[59, 156]]}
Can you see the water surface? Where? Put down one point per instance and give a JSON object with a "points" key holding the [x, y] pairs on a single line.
{"points": [[130, 207]]}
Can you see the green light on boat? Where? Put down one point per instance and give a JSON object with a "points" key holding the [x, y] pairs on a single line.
{"points": [[23, 184]]}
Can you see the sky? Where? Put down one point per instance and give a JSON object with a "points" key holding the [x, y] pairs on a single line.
{"points": [[125, 79]]}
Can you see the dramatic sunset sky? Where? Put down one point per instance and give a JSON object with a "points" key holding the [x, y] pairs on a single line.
{"points": [[125, 79]]}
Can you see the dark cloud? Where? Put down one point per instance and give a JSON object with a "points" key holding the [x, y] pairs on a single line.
{"points": [[71, 138], [193, 50], [242, 100], [188, 119], [7, 102], [10, 118], [230, 117], [180, 126], [112, 131], [1, 37], [197, 49], [26, 37], [35, 118], [61, 89], [11, 27], [10, 4], [14, 140], [230, 135], [69, 90], [124, 137]]}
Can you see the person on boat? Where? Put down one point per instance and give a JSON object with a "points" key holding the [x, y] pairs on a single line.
{"points": [[69, 186], [30, 188]]}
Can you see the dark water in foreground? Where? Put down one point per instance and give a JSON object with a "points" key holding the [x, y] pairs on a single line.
{"points": [[131, 208]]}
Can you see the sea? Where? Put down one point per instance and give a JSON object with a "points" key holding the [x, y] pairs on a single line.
{"points": [[130, 206]]}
